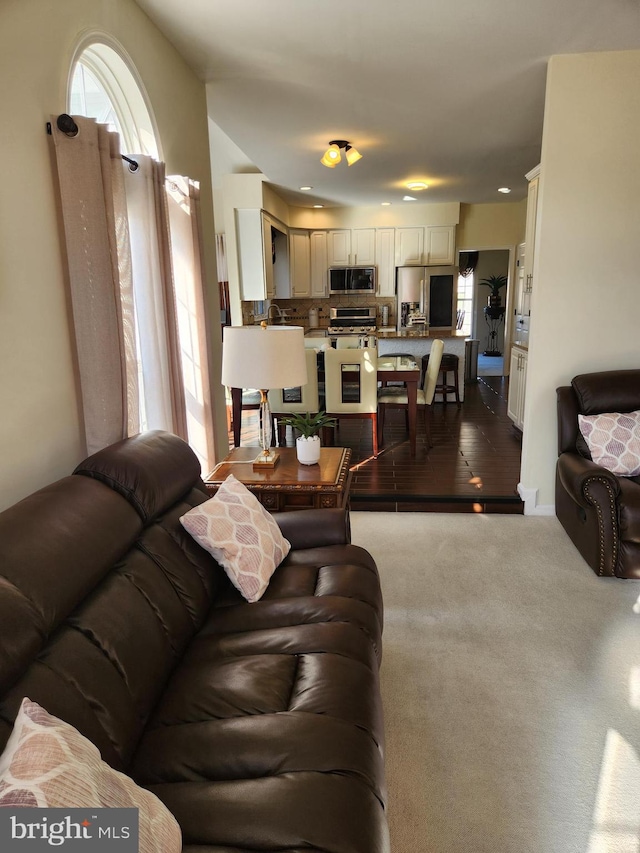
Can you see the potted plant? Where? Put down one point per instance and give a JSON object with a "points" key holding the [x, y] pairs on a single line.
{"points": [[308, 442], [496, 283]]}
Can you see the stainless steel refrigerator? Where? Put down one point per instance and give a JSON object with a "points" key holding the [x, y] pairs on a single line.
{"points": [[426, 295]]}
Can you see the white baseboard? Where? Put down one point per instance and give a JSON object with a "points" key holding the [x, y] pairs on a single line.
{"points": [[531, 507]]}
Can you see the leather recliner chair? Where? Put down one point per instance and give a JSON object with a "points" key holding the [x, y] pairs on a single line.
{"points": [[599, 510]]}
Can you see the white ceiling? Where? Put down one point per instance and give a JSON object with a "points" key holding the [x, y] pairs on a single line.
{"points": [[451, 91]]}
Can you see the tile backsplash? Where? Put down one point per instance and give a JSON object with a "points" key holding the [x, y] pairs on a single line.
{"points": [[298, 309]]}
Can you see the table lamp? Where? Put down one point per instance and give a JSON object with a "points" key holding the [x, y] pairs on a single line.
{"points": [[264, 357]]}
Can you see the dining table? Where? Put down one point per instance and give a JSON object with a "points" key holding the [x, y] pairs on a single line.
{"points": [[404, 369], [389, 368]]}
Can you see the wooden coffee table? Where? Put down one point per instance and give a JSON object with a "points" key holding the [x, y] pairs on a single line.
{"points": [[289, 485]]}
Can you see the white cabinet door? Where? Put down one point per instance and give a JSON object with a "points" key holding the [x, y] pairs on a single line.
{"points": [[339, 248], [530, 232], [251, 236], [363, 247], [385, 238], [300, 264], [517, 386], [267, 248], [409, 246], [440, 245], [319, 264]]}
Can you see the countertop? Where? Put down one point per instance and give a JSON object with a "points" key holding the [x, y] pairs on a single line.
{"points": [[390, 332]]}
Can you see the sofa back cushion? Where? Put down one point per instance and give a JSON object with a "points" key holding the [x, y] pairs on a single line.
{"points": [[100, 593]]}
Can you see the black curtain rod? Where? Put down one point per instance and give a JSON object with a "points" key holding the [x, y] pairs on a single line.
{"points": [[68, 126]]}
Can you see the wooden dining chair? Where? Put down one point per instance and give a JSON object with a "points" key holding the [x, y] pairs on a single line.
{"points": [[396, 397], [290, 401], [351, 386]]}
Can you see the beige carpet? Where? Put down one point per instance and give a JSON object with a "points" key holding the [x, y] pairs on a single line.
{"points": [[511, 687]]}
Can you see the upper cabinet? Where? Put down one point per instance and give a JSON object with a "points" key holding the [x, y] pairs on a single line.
{"points": [[431, 246], [386, 270], [409, 246], [351, 247], [530, 228], [300, 264], [319, 264], [256, 233]]}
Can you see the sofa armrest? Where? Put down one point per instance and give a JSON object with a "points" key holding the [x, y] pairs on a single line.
{"points": [[315, 528], [584, 480]]}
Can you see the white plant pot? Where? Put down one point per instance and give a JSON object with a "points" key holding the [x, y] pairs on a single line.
{"points": [[308, 450]]}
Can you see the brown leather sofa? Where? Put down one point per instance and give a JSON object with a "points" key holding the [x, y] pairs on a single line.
{"points": [[258, 725], [599, 510]]}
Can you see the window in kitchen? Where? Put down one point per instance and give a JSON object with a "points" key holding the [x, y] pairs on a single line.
{"points": [[465, 303]]}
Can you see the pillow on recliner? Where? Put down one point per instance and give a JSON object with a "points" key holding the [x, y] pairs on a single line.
{"points": [[237, 530], [613, 439]]}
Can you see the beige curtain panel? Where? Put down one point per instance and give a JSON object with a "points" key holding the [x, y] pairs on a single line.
{"points": [[134, 249], [89, 171]]}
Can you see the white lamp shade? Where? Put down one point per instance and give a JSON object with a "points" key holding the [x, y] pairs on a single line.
{"points": [[264, 358]]}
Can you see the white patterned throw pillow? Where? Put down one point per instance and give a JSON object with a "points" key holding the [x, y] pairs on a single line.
{"points": [[47, 763], [613, 439], [235, 528]]}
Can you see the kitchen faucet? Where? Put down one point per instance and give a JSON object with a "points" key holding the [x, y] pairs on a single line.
{"points": [[282, 315]]}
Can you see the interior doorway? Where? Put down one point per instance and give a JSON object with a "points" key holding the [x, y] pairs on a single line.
{"points": [[486, 313]]}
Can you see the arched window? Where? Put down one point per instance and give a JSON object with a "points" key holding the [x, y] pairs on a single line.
{"points": [[102, 86]]}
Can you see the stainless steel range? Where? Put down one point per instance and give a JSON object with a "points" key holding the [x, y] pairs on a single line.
{"points": [[352, 321]]}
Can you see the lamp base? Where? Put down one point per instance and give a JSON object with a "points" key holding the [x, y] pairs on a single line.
{"points": [[266, 460]]}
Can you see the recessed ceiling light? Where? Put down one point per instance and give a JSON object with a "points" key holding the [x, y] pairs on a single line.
{"points": [[318, 205], [504, 190], [305, 189], [417, 185], [385, 203], [408, 198]]}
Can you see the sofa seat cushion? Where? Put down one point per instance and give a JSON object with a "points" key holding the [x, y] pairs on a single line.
{"points": [[629, 509], [273, 720]]}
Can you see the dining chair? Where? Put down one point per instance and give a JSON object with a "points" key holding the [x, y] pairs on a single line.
{"points": [[250, 401], [348, 342], [351, 386], [289, 401], [396, 397]]}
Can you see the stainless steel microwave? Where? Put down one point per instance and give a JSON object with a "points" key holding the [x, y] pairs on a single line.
{"points": [[347, 280]]}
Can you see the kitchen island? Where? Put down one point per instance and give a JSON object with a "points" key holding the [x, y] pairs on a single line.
{"points": [[419, 343]]}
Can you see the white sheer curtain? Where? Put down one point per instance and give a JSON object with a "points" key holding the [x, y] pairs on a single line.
{"points": [[183, 197], [138, 333]]}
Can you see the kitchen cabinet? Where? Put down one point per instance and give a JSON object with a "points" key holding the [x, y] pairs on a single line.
{"points": [[530, 231], [299, 264], [440, 245], [339, 248], [517, 386], [409, 246], [386, 271], [255, 232], [352, 247], [431, 246], [319, 264]]}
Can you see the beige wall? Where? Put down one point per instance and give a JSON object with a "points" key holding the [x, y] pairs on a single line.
{"points": [[486, 226], [39, 426], [586, 298]]}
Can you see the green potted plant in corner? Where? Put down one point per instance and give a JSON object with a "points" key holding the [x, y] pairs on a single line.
{"points": [[308, 442], [496, 283]]}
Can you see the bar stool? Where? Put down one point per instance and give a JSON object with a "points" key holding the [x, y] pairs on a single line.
{"points": [[450, 364]]}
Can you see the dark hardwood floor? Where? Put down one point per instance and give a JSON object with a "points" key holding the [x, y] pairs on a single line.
{"points": [[474, 465]]}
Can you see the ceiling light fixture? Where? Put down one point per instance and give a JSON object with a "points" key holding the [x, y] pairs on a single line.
{"points": [[305, 189], [318, 205], [408, 198], [504, 189], [417, 185], [385, 203], [332, 155]]}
